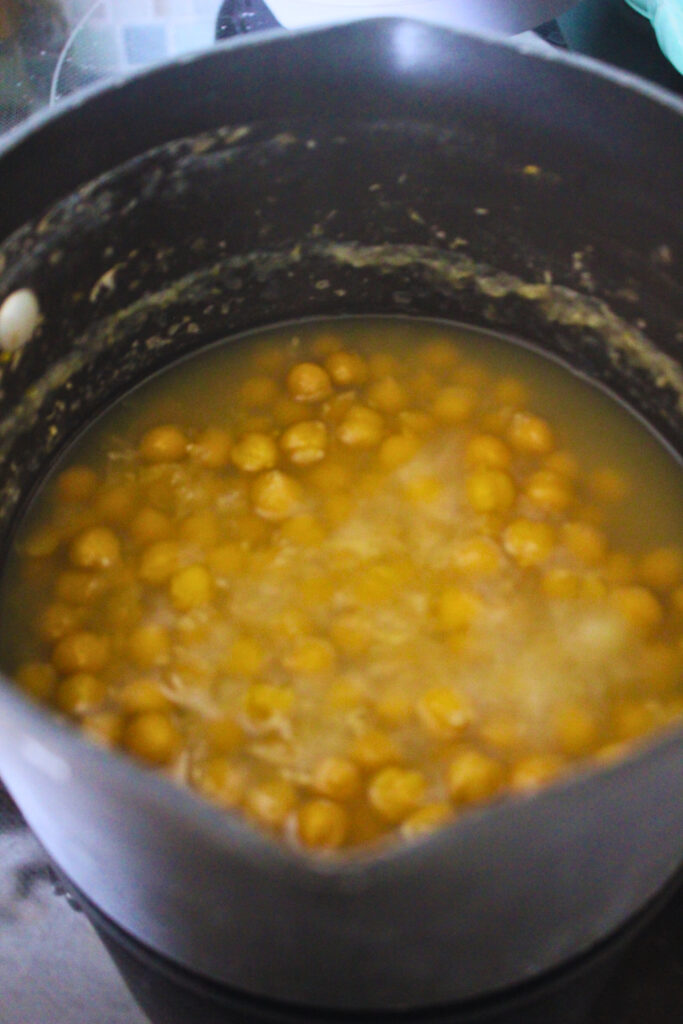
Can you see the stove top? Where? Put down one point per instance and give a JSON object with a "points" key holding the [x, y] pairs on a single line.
{"points": [[56, 968]]}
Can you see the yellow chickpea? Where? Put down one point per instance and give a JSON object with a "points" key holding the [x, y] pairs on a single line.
{"points": [[305, 443], [246, 657], [97, 548], [473, 777], [152, 737], [149, 645], [387, 395], [81, 652], [200, 529], [563, 584], [502, 732], [322, 824], [585, 541], [444, 711], [490, 490], [337, 778], [191, 588], [221, 781], [576, 730], [457, 609], [150, 525], [397, 449], [80, 588], [351, 633], [223, 735], [115, 504], [529, 543], [635, 718], [534, 771], [270, 803], [139, 695], [423, 489], [564, 464], [396, 793], [159, 561], [163, 444], [489, 451], [373, 749], [530, 434], [254, 452], [42, 543], [286, 411], [347, 369], [476, 556], [638, 606], [259, 391], [76, 484], [304, 530], [309, 656], [394, 706], [37, 678], [308, 382], [275, 495], [454, 404], [264, 701], [80, 693], [361, 427], [225, 559], [212, 448], [427, 820], [661, 568], [58, 619], [548, 491]]}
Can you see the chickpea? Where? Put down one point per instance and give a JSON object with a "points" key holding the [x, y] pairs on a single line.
{"points": [[271, 803], [246, 657], [347, 369], [80, 693], [457, 609], [395, 793], [81, 652], [212, 448], [345, 695], [397, 449], [330, 476], [322, 824], [163, 444], [80, 588], [563, 584], [585, 541], [530, 434], [423, 489], [149, 645], [454, 404], [473, 777], [150, 525], [619, 568], [76, 484], [152, 737], [37, 678], [305, 443], [633, 719], [477, 556], [223, 735], [308, 382], [416, 421], [374, 749], [139, 695], [336, 778], [191, 588], [115, 504], [225, 559], [42, 543], [444, 712], [221, 781], [286, 411], [351, 634], [254, 452], [576, 730], [529, 543], [158, 562], [534, 771], [502, 733], [310, 656], [386, 395], [428, 819], [548, 491], [394, 706], [361, 427], [662, 568], [97, 548], [489, 451], [59, 619], [275, 495], [511, 391], [638, 607], [264, 701], [490, 490]]}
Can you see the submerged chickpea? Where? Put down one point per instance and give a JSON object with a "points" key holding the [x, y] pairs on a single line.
{"points": [[220, 780], [444, 712], [271, 802], [347, 369], [529, 543], [38, 679], [152, 737], [163, 444], [275, 495], [530, 434], [322, 824], [98, 548], [308, 382], [490, 490], [337, 778], [254, 452], [304, 443], [212, 448], [76, 484], [427, 820], [397, 792], [361, 427], [81, 652], [473, 777], [80, 693]]}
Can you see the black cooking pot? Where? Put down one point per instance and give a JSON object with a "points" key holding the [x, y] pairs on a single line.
{"points": [[383, 167]]}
